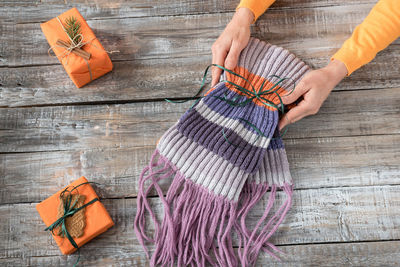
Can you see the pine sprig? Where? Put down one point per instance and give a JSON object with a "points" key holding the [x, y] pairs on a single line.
{"points": [[73, 29]]}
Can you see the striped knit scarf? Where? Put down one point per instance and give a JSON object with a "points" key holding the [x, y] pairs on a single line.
{"points": [[222, 159]]}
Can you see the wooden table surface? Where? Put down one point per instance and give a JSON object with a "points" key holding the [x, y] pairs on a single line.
{"points": [[344, 160]]}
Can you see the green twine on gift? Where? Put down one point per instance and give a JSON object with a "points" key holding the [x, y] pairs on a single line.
{"points": [[70, 210], [251, 95]]}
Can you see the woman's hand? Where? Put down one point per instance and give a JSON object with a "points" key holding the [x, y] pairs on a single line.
{"points": [[227, 48], [315, 88]]}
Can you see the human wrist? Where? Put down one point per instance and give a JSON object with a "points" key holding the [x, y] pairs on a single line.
{"points": [[243, 17], [337, 70]]}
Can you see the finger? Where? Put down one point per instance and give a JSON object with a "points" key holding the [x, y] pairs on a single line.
{"points": [[216, 74], [218, 58], [297, 113], [298, 91], [233, 56]]}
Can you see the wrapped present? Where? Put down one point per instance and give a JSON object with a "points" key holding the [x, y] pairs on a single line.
{"points": [[77, 48], [75, 215]]}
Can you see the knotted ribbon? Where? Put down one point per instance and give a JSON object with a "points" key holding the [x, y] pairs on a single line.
{"points": [[74, 46], [69, 210], [251, 96]]}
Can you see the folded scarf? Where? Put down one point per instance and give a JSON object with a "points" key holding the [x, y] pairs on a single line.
{"points": [[223, 155]]}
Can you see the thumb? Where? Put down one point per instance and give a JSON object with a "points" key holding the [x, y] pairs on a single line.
{"points": [[233, 56], [298, 91], [294, 114]]}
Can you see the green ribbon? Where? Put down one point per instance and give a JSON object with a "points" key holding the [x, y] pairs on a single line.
{"points": [[69, 210], [250, 94]]}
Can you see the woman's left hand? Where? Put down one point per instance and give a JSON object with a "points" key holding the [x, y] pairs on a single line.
{"points": [[315, 88]]}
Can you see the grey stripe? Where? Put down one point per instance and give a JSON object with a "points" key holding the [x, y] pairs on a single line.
{"points": [[202, 166], [274, 168]]}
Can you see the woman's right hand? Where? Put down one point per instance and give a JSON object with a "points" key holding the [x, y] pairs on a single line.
{"points": [[235, 37]]}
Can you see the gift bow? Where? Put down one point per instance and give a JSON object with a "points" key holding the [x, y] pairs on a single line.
{"points": [[69, 210], [74, 45], [75, 48]]}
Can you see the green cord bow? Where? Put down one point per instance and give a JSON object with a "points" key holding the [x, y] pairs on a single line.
{"points": [[69, 210], [260, 95]]}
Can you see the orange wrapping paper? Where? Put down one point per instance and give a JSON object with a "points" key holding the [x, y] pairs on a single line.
{"points": [[76, 66], [97, 218]]}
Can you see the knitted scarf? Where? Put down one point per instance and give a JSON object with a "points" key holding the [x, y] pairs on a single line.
{"points": [[223, 155]]}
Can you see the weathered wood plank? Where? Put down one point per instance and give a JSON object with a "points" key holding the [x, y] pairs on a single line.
{"points": [[137, 80], [315, 163], [37, 11], [150, 79], [322, 215], [167, 55], [339, 254], [164, 56], [300, 31], [363, 112]]}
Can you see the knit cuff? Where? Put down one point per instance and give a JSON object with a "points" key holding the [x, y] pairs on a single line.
{"points": [[347, 57]]}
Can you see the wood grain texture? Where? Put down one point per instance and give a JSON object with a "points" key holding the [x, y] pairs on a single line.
{"points": [[317, 215], [345, 113], [112, 143], [37, 11], [340, 254], [166, 56], [182, 36], [137, 80], [315, 163], [300, 31], [150, 79], [345, 161]]}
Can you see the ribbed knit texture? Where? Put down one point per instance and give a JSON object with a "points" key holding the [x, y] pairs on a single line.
{"points": [[221, 166]]}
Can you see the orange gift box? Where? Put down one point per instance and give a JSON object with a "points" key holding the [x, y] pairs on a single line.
{"points": [[97, 218], [80, 70]]}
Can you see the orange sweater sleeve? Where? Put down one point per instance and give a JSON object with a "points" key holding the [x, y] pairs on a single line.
{"points": [[258, 7], [380, 28]]}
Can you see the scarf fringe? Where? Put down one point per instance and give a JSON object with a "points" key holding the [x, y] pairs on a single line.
{"points": [[197, 225], [251, 242]]}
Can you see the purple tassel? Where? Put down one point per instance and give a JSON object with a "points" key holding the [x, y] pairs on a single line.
{"points": [[197, 225], [252, 241]]}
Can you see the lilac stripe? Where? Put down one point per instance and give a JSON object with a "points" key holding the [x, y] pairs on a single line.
{"points": [[262, 118], [232, 124]]}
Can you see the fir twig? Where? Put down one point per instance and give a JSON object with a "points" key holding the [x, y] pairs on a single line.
{"points": [[73, 28]]}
